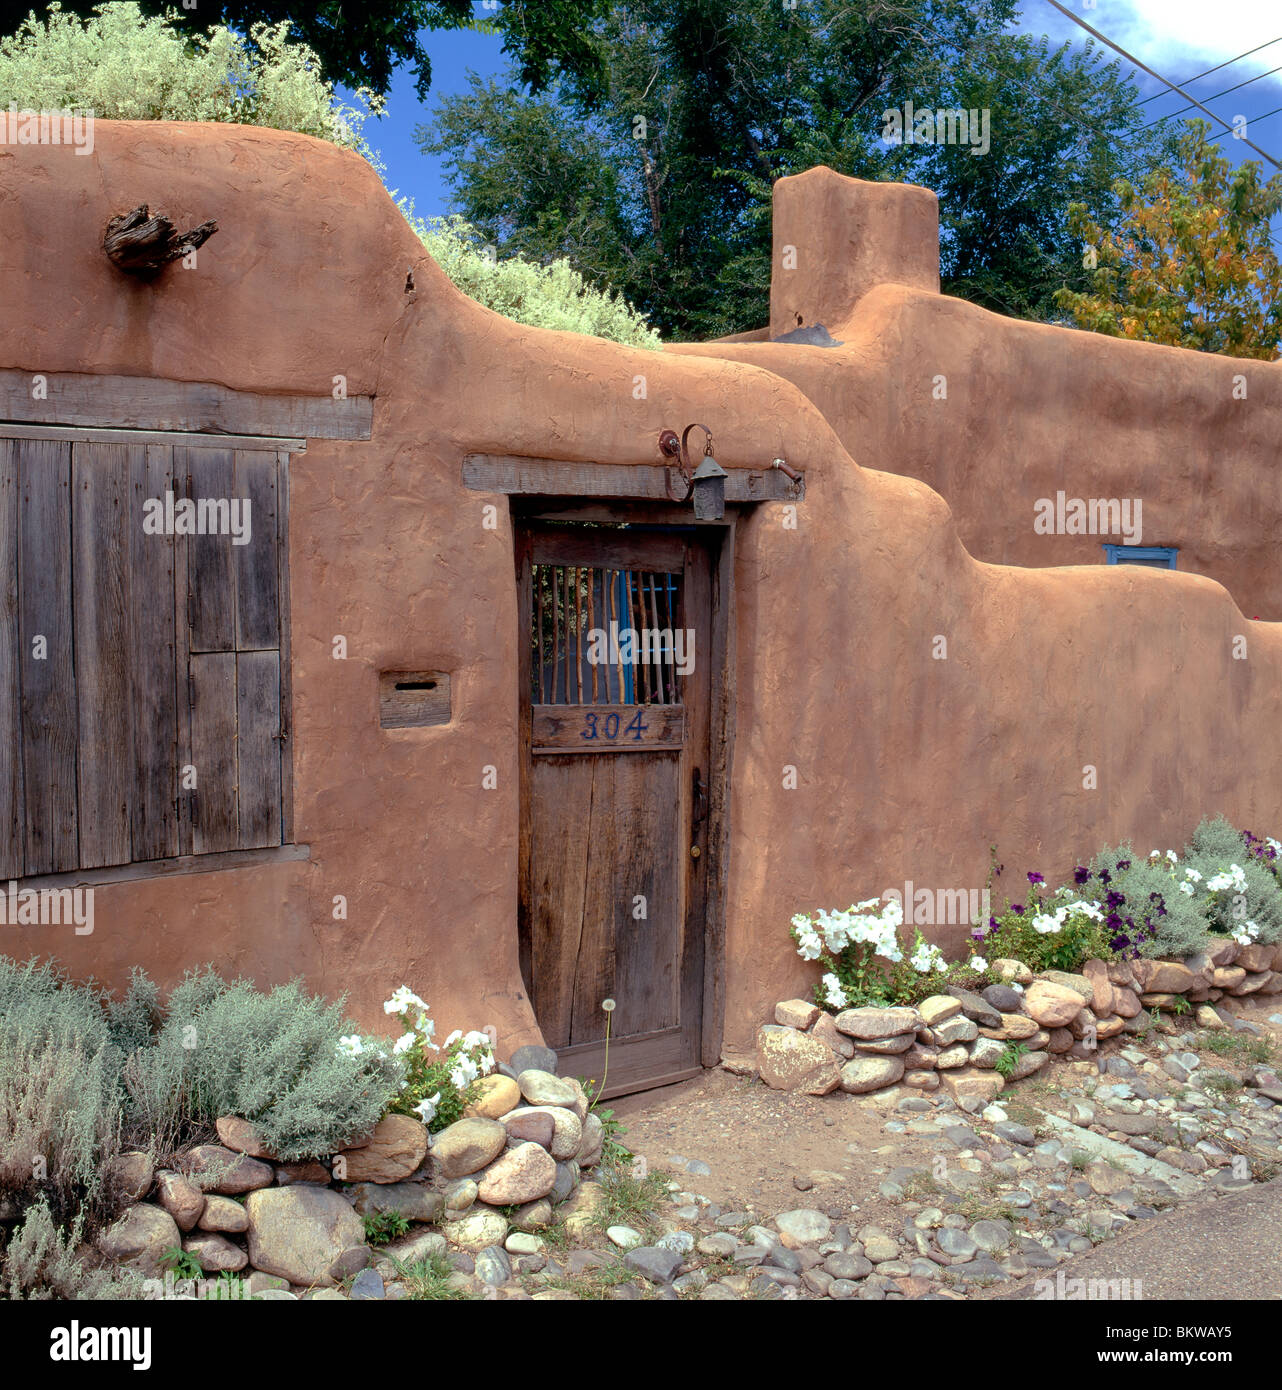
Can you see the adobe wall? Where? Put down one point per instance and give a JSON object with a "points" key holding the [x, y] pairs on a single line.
{"points": [[907, 766], [1030, 410]]}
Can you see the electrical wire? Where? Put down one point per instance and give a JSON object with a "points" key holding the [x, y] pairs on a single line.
{"points": [[1144, 67], [1216, 97], [1199, 76]]}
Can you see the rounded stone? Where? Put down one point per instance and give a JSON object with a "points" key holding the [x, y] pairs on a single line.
{"points": [[215, 1253], [140, 1238], [496, 1094], [523, 1174], [477, 1230], [467, 1146], [543, 1088], [222, 1214]]}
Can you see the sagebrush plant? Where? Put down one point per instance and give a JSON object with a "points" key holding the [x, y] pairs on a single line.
{"points": [[544, 296], [1166, 921], [60, 1101], [272, 1059], [1236, 881], [440, 1080], [123, 65], [39, 1261], [865, 963]]}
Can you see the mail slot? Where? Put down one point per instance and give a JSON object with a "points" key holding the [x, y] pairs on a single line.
{"points": [[413, 699]]}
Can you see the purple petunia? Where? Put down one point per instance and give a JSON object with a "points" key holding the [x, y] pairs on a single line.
{"points": [[1081, 875], [1035, 878]]}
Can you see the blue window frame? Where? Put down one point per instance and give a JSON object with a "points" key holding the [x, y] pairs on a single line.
{"points": [[1159, 557]]}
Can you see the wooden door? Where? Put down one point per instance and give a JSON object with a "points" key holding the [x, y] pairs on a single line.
{"points": [[614, 796]]}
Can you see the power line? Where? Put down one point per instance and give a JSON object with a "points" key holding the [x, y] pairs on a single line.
{"points": [[1265, 117], [1216, 97], [1199, 76], [1144, 67]]}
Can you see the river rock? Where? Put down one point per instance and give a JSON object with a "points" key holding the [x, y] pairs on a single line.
{"points": [[301, 1232], [215, 1253], [793, 1061], [870, 1023], [1052, 1005], [467, 1146], [523, 1174], [412, 1200], [826, 1030], [222, 1214], [864, 1074], [1163, 976], [543, 1088], [393, 1152], [213, 1168], [140, 1239], [241, 1136], [496, 1094], [182, 1199], [796, 1013]]}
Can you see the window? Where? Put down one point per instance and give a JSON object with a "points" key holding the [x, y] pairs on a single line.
{"points": [[1160, 557], [143, 648]]}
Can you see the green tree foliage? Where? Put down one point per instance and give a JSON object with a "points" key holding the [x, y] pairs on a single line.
{"points": [[656, 180], [124, 65], [1192, 262], [360, 45]]}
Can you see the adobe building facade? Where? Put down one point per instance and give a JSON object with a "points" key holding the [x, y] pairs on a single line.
{"points": [[358, 764]]}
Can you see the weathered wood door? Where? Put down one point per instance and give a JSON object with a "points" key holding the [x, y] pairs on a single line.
{"points": [[615, 688]]}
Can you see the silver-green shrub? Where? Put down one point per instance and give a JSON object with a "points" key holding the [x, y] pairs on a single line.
{"points": [[40, 1262], [273, 1059], [1151, 893], [544, 296], [1216, 848], [60, 1098], [124, 65]]}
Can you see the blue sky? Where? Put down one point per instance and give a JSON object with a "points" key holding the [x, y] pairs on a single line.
{"points": [[1178, 38]]}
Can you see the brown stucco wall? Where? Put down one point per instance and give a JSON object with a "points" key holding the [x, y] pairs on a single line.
{"points": [[907, 766], [1030, 410]]}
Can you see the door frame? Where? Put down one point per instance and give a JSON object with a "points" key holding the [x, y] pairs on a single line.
{"points": [[720, 542]]}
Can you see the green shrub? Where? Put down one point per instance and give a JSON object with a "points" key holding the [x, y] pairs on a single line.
{"points": [[1152, 896], [123, 65], [1049, 930], [60, 1102], [1252, 900], [40, 1262], [544, 296], [273, 1059]]}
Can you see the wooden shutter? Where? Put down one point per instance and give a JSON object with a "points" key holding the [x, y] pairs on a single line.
{"points": [[126, 656], [235, 641]]}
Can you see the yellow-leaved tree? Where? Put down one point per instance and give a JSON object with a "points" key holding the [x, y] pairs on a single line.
{"points": [[1192, 262]]}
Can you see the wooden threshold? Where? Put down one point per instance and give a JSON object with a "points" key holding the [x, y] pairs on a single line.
{"points": [[196, 407], [167, 868], [516, 475]]}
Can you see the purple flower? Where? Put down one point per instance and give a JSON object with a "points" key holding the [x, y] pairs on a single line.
{"points": [[977, 932], [1017, 909], [1035, 878], [1105, 876], [1115, 899], [1123, 865], [1081, 875]]}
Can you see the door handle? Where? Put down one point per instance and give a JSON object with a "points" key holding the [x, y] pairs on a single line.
{"points": [[700, 799]]}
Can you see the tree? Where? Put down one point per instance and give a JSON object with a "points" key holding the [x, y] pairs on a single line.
{"points": [[657, 179], [361, 45], [1192, 263]]}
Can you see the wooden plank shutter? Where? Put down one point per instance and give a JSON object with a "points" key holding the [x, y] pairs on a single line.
{"points": [[12, 820], [46, 670], [234, 642], [100, 529]]}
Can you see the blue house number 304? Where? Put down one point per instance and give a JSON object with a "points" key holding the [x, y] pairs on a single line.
{"points": [[608, 727]]}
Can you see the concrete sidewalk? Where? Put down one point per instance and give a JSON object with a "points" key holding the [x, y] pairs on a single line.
{"points": [[1226, 1248]]}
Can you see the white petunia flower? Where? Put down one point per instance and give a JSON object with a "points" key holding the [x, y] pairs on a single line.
{"points": [[351, 1045], [404, 1043], [402, 1001], [978, 963], [426, 1108]]}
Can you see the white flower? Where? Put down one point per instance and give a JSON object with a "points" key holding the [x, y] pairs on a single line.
{"points": [[1172, 856], [426, 1108], [453, 1037], [1193, 875], [463, 1073], [1186, 888], [834, 995], [402, 1001], [809, 946], [351, 1045], [1045, 923], [403, 1043], [475, 1039], [926, 958], [978, 963]]}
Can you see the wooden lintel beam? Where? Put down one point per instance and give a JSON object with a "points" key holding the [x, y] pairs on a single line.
{"points": [[188, 407], [520, 476]]}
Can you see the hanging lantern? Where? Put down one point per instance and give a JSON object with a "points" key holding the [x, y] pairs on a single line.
{"points": [[709, 489]]}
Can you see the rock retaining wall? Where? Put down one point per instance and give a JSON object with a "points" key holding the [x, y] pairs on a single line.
{"points": [[955, 1041]]}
